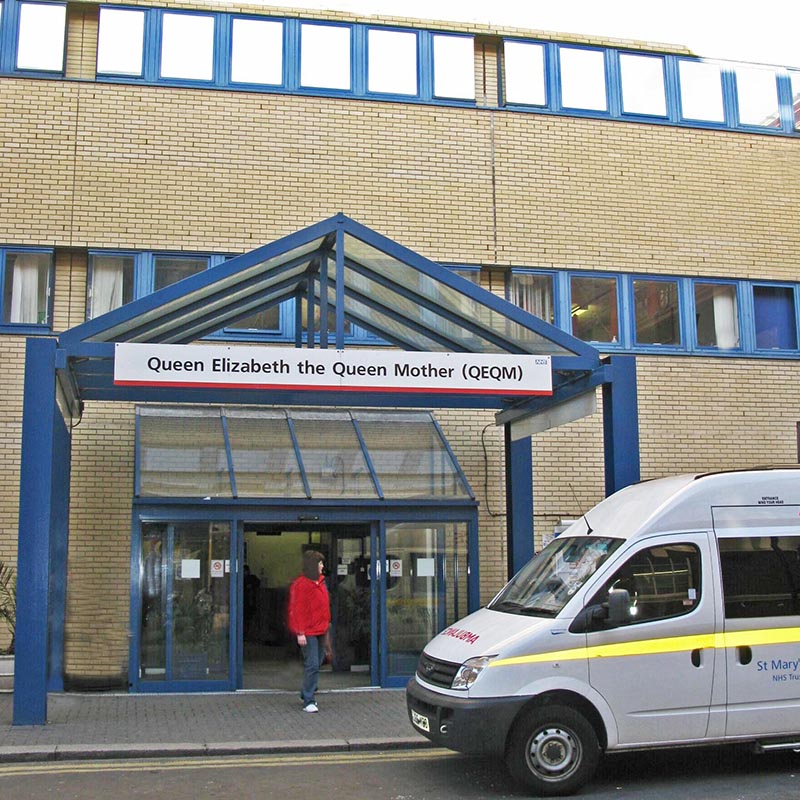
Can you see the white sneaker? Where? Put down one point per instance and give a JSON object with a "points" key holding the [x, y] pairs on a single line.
{"points": [[311, 708]]}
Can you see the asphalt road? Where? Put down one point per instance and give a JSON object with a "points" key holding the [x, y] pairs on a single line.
{"points": [[714, 774]]}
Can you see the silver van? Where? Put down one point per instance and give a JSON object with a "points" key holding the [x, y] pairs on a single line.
{"points": [[667, 615]]}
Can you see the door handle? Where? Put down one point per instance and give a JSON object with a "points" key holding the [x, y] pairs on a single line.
{"points": [[744, 654], [696, 658]]}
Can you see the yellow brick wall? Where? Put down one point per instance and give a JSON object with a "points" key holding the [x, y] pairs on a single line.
{"points": [[86, 165]]}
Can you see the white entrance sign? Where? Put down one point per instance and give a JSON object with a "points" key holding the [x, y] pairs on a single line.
{"points": [[338, 370]]}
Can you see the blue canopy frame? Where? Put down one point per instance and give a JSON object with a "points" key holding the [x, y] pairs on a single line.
{"points": [[338, 267]]}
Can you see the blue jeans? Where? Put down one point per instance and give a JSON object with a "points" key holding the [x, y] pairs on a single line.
{"points": [[313, 655]]}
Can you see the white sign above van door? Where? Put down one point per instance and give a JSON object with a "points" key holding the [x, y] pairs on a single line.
{"points": [[290, 368]]}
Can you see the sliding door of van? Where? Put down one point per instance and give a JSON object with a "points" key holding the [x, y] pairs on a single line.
{"points": [[657, 671]]}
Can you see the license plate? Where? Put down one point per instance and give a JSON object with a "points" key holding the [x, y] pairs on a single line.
{"points": [[420, 721]]}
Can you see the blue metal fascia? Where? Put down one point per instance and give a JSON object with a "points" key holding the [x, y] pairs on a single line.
{"points": [[155, 509], [339, 284], [365, 452], [201, 280], [454, 460], [323, 302], [519, 501], [621, 425]]}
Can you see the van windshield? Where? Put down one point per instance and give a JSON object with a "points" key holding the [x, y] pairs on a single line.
{"points": [[545, 584]]}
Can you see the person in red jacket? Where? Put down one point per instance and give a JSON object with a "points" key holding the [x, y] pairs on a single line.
{"points": [[309, 621]]}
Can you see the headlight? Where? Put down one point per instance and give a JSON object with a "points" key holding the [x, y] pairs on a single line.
{"points": [[468, 672]]}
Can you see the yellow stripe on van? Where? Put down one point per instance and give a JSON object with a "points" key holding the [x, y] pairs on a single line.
{"points": [[671, 644]]}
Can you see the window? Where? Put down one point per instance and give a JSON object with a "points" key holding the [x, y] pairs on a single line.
{"points": [[643, 90], [716, 315], [795, 83], [120, 42], [757, 96], [774, 316], [761, 576], [534, 293], [656, 312], [663, 582], [524, 73], [111, 283], [701, 91], [583, 78], [392, 62], [454, 67], [171, 269], [26, 288], [42, 30], [594, 309], [325, 56], [268, 320], [187, 46], [257, 51]]}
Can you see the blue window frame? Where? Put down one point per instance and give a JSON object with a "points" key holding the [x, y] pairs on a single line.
{"points": [[26, 280], [594, 307], [716, 315], [775, 317], [656, 312]]}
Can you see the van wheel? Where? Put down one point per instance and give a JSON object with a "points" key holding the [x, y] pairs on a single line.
{"points": [[553, 750]]}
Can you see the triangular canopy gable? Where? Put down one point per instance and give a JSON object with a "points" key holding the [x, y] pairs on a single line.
{"points": [[345, 271]]}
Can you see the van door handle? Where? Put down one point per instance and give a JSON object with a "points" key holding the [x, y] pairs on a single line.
{"points": [[696, 659], [744, 654]]}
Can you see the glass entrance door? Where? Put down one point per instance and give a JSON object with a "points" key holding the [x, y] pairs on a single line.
{"points": [[425, 589], [185, 591]]}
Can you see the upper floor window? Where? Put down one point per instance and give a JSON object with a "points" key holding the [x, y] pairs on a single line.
{"points": [[257, 51], [583, 78], [325, 56], [716, 315], [701, 96], [187, 46], [120, 42], [534, 293], [171, 269], [795, 84], [110, 283], [757, 96], [26, 288], [525, 78], [774, 315], [643, 88], [392, 62], [454, 67], [42, 32], [656, 312], [594, 308]]}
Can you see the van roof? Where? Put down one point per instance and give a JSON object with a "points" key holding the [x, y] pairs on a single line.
{"points": [[684, 502]]}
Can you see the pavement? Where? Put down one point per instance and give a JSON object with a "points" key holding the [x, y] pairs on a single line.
{"points": [[112, 725]]}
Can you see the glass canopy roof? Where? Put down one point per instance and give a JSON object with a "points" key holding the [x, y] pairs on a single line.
{"points": [[248, 452]]}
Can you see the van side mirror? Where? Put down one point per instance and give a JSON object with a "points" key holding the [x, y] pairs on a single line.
{"points": [[591, 618], [619, 607]]}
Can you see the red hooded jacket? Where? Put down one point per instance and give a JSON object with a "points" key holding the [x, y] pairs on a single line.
{"points": [[309, 607]]}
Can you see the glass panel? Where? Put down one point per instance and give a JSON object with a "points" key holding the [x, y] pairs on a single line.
{"points": [[470, 274], [42, 30], [348, 327], [657, 317], [409, 456], [325, 56], [351, 578], [269, 320], [264, 459], [716, 315], [425, 587], [153, 591], [120, 42], [524, 73], [257, 51], [170, 270], [182, 454], [594, 309], [776, 328], [454, 67], [795, 76], [187, 47], [701, 91], [583, 78], [332, 455], [392, 62], [534, 293], [757, 93], [402, 275], [201, 601], [112, 283], [643, 90], [26, 288]]}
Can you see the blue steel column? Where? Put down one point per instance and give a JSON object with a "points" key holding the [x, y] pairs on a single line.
{"points": [[519, 501], [621, 424], [38, 511]]}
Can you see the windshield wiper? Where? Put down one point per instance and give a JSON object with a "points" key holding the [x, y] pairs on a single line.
{"points": [[507, 605]]}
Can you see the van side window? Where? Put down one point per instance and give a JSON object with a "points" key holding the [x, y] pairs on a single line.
{"points": [[760, 576], [662, 581]]}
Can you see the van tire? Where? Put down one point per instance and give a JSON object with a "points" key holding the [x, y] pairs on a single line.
{"points": [[552, 750]]}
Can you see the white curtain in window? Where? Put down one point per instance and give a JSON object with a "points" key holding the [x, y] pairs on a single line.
{"points": [[726, 327], [107, 282], [535, 298], [25, 289]]}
